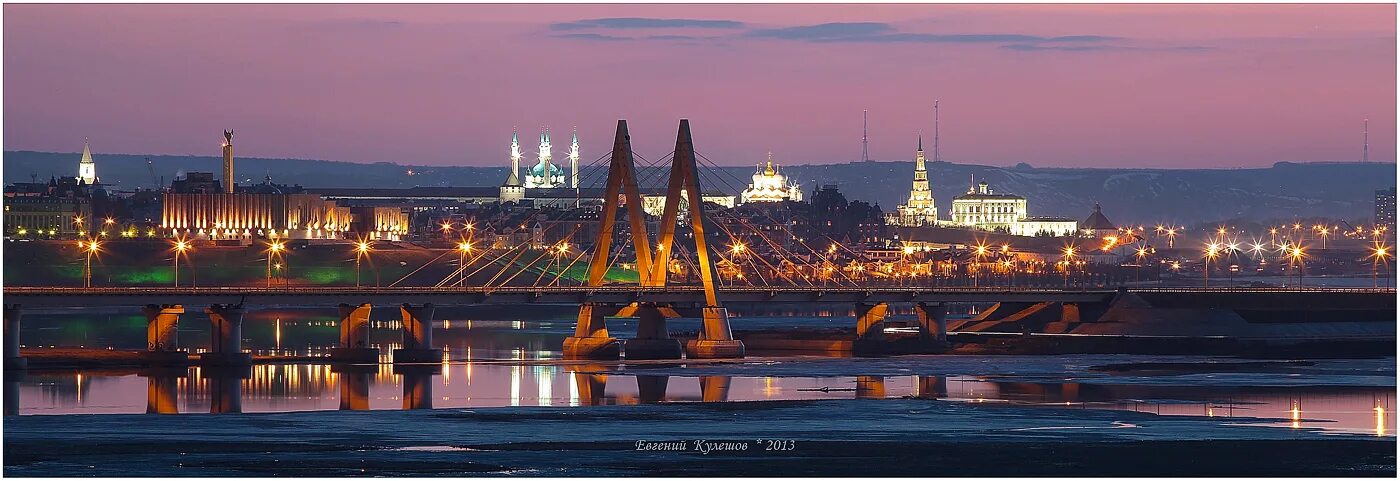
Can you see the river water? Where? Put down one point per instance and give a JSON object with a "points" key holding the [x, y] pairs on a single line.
{"points": [[515, 363]]}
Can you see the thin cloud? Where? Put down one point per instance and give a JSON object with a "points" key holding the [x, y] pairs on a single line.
{"points": [[598, 37], [1100, 48], [825, 31], [637, 22]]}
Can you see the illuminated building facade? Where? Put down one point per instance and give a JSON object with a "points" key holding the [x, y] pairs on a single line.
{"points": [[770, 185], [920, 209], [1044, 226], [220, 215], [1385, 207], [380, 222], [980, 208], [655, 203]]}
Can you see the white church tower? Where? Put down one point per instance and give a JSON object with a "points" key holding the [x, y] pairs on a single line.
{"points": [[87, 170]]}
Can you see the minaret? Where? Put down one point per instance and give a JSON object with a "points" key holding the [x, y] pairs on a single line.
{"points": [[87, 170], [228, 161], [545, 180], [514, 178], [573, 161]]}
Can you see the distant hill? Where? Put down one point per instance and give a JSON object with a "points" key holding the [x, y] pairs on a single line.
{"points": [[1285, 190]]}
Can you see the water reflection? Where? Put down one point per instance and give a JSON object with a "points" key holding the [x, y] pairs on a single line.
{"points": [[300, 387]]}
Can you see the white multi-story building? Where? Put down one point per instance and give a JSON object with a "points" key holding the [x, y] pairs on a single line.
{"points": [[982, 209]]}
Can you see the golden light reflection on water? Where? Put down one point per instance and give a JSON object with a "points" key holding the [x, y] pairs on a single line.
{"points": [[1296, 415], [302, 387]]}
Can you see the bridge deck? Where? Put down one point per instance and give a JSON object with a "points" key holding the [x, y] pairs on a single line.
{"points": [[674, 295]]}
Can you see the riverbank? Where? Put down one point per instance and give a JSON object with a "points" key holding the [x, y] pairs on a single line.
{"points": [[899, 437]]}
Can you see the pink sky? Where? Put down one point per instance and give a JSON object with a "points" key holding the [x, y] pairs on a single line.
{"points": [[1154, 85]]}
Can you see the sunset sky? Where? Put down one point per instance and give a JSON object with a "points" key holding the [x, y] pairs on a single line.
{"points": [[1073, 86]]}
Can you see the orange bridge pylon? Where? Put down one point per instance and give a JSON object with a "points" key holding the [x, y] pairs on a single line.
{"points": [[591, 339]]}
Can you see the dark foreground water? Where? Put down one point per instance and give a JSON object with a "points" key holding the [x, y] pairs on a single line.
{"points": [[502, 402]]}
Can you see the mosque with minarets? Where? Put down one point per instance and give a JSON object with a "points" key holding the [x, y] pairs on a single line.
{"points": [[544, 174]]}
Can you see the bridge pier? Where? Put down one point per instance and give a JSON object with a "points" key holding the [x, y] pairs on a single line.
{"points": [[653, 341], [715, 341], [226, 336], [12, 358], [354, 386], [417, 325], [933, 321], [162, 333], [354, 336], [870, 387], [714, 389], [870, 321], [591, 339]]}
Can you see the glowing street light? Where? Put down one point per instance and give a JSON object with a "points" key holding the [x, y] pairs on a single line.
{"points": [[1379, 254], [1069, 261], [1296, 254], [1211, 252], [93, 247], [362, 249], [180, 246], [274, 249]]}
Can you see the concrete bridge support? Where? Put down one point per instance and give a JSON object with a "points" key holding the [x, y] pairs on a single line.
{"points": [[162, 334], [870, 321], [162, 326], [354, 345], [870, 387], [591, 339], [417, 385], [933, 321], [651, 389], [354, 386], [653, 341], [714, 389], [226, 336], [716, 341], [932, 387], [12, 357], [418, 346]]}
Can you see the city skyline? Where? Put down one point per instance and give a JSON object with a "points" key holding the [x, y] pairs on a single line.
{"points": [[1051, 85]]}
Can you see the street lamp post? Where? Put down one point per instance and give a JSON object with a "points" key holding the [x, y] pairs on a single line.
{"points": [[361, 249], [1211, 252], [273, 250], [181, 246], [92, 249], [462, 249]]}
